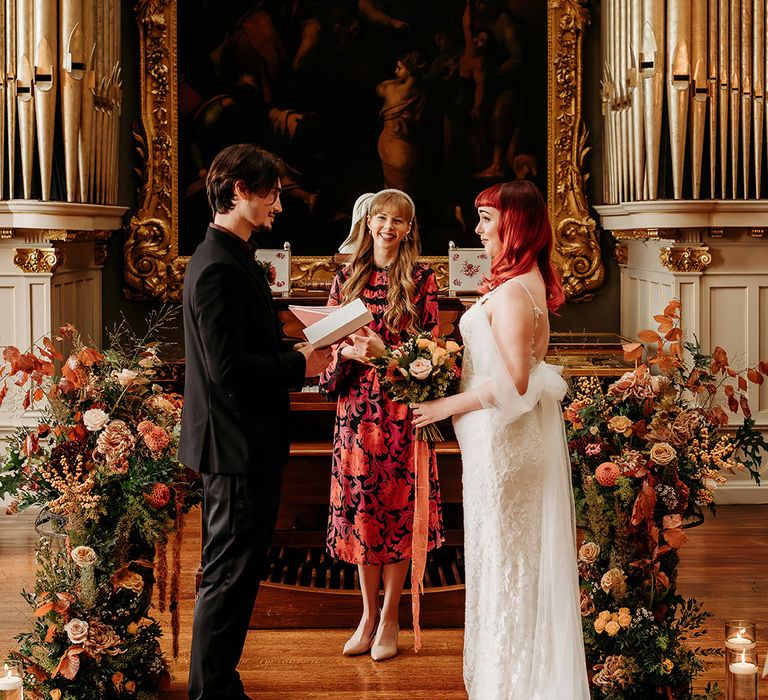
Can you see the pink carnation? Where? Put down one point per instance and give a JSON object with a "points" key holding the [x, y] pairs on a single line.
{"points": [[607, 473], [157, 439], [594, 448]]}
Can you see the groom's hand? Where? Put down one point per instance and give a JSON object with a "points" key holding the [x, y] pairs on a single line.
{"points": [[317, 358]]}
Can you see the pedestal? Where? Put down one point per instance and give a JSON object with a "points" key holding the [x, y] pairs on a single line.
{"points": [[713, 257], [51, 257]]}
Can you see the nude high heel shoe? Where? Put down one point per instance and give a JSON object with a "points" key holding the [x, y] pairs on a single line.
{"points": [[353, 646], [382, 652]]}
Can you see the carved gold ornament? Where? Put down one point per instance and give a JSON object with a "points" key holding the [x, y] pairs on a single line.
{"points": [[686, 259], [621, 253], [577, 245], [153, 268], [37, 260]]}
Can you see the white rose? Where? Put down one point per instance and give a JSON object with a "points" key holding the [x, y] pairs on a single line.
{"points": [[77, 631], [710, 484], [420, 368], [95, 419], [83, 556], [126, 377]]}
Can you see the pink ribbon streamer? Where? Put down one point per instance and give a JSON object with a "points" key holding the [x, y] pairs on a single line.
{"points": [[420, 535]]}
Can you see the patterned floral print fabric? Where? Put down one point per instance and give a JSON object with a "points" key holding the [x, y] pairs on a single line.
{"points": [[371, 510]]}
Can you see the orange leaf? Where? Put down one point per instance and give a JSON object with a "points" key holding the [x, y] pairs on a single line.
{"points": [[676, 349], [644, 504], [3, 392], [649, 336], [665, 323], [672, 308], [53, 352], [632, 351], [38, 395], [44, 609], [69, 664], [733, 404], [89, 356], [763, 367], [50, 634], [754, 376], [674, 334], [662, 578], [676, 537], [731, 372], [745, 407], [742, 383], [67, 330], [719, 359], [728, 390]]}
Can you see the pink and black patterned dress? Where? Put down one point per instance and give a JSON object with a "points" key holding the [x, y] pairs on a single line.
{"points": [[372, 484]]}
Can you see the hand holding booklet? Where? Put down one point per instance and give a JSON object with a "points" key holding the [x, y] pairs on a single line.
{"points": [[326, 325]]}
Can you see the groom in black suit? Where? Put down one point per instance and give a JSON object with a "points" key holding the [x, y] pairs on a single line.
{"points": [[236, 408]]}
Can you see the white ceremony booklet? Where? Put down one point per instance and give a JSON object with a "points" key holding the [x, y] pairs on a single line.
{"points": [[326, 325]]}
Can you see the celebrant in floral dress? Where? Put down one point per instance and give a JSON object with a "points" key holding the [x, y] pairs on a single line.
{"points": [[372, 485]]}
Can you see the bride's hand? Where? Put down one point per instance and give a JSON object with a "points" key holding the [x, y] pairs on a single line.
{"points": [[429, 412]]}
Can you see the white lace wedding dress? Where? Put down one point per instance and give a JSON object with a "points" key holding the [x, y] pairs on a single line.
{"points": [[523, 628]]}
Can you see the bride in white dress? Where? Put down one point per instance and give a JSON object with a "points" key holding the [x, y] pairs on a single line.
{"points": [[523, 627]]}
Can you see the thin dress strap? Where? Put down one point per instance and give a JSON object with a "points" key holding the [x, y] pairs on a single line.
{"points": [[537, 312]]}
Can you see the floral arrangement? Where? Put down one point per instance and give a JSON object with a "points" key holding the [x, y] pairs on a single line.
{"points": [[101, 463], [421, 369], [647, 454]]}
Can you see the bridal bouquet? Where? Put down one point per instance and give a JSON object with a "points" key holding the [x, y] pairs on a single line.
{"points": [[101, 463], [647, 454], [421, 369]]}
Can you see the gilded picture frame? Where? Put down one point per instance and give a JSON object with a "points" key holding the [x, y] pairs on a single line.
{"points": [[153, 267]]}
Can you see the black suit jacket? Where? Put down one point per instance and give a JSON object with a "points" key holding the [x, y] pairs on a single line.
{"points": [[237, 378]]}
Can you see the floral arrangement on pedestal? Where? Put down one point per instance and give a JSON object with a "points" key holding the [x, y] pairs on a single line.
{"points": [[101, 463], [647, 454]]}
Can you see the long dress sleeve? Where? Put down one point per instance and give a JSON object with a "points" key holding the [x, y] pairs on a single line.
{"points": [[340, 372]]}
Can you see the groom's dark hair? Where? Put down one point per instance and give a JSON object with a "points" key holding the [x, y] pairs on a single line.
{"points": [[256, 168]]}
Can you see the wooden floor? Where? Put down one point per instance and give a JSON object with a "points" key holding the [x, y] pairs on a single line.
{"points": [[725, 565]]}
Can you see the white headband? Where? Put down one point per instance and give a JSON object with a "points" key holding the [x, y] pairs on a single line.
{"points": [[392, 190], [361, 209]]}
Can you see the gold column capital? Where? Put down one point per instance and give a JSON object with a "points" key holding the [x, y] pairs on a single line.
{"points": [[686, 258], [37, 260]]}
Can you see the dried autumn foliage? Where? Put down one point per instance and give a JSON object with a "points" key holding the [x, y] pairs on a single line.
{"points": [[709, 374], [647, 456]]}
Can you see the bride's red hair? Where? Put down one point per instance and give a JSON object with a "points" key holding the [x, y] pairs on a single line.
{"points": [[526, 237]]}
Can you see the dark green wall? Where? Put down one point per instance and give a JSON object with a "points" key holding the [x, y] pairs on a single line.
{"points": [[601, 314]]}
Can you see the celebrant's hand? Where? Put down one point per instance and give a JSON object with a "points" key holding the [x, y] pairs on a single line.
{"points": [[348, 352], [366, 344], [429, 412]]}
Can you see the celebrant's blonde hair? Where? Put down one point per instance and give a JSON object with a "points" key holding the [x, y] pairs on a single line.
{"points": [[401, 314]]}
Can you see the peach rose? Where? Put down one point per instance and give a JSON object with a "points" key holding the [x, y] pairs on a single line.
{"points": [[612, 628], [614, 582], [420, 368], [621, 425], [77, 631], [662, 453], [588, 552]]}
